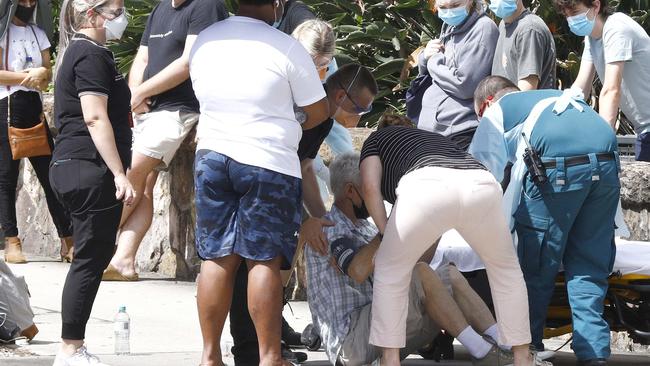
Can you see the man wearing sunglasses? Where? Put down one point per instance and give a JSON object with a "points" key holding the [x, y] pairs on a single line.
{"points": [[350, 92]]}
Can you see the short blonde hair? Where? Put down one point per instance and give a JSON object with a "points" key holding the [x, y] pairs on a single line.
{"points": [[317, 37]]}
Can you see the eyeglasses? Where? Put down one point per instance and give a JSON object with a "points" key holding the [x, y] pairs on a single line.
{"points": [[114, 13], [357, 108]]}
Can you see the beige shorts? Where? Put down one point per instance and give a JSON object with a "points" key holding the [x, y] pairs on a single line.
{"points": [[159, 134], [420, 329]]}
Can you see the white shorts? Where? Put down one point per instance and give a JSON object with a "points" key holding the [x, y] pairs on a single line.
{"points": [[159, 134]]}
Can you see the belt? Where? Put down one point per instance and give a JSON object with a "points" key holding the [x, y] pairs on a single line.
{"points": [[579, 160]]}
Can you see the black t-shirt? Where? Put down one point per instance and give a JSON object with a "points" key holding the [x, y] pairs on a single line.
{"points": [[89, 68], [165, 34], [404, 149], [295, 13], [312, 139]]}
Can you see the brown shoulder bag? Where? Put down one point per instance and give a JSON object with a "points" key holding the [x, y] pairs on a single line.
{"points": [[26, 142]]}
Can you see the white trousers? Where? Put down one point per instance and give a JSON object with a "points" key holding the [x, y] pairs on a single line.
{"points": [[431, 201]]}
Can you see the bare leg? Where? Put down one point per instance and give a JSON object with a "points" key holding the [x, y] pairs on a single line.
{"points": [[213, 302], [134, 229], [141, 166], [265, 307], [390, 357], [472, 306], [439, 304]]}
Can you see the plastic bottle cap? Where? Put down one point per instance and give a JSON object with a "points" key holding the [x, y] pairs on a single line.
{"points": [[122, 309]]}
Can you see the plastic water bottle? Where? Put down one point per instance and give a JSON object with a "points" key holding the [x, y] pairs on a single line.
{"points": [[122, 326], [29, 62]]}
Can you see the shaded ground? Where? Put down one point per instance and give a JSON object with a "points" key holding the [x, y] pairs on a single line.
{"points": [[164, 323]]}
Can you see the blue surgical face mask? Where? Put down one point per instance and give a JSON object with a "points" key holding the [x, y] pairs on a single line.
{"points": [[580, 24], [453, 16], [503, 8]]}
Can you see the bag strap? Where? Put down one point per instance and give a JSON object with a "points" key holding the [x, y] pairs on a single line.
{"points": [[35, 37]]}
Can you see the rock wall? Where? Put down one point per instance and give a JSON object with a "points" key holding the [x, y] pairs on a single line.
{"points": [[635, 199], [168, 247]]}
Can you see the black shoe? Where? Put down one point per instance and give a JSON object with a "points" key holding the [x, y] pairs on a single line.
{"points": [[593, 362], [310, 338], [290, 336], [294, 357], [442, 348]]}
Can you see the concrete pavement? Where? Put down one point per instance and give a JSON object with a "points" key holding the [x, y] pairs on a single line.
{"points": [[164, 323]]}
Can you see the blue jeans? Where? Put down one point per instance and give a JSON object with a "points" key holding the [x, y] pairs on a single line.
{"points": [[570, 224], [642, 147]]}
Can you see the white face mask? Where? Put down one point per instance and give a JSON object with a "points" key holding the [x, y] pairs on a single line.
{"points": [[115, 27]]}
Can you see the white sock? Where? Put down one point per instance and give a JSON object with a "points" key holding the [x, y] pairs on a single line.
{"points": [[493, 332], [475, 344]]}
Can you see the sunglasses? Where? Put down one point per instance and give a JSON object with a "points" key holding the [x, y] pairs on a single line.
{"points": [[357, 108], [114, 13]]}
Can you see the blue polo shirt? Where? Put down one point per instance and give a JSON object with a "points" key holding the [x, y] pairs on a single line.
{"points": [[572, 132]]}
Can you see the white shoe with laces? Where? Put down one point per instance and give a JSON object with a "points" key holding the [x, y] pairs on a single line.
{"points": [[537, 361], [80, 358]]}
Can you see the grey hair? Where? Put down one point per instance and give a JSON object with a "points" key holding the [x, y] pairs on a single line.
{"points": [[317, 37], [72, 17], [344, 169]]}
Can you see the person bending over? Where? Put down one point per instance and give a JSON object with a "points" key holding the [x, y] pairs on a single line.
{"points": [[339, 288], [434, 187]]}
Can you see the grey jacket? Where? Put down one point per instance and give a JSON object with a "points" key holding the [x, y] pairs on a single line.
{"points": [[447, 105], [43, 15]]}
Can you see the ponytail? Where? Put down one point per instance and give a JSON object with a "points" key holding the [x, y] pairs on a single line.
{"points": [[72, 17]]}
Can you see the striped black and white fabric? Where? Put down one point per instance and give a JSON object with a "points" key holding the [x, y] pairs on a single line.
{"points": [[404, 149]]}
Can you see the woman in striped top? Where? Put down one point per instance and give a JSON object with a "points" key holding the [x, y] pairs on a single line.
{"points": [[435, 187]]}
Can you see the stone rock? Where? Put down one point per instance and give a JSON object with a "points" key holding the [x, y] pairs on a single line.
{"points": [[35, 226], [359, 135], [635, 198]]}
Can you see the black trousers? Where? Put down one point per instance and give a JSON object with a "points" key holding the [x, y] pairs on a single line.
{"points": [[87, 190], [26, 109], [246, 348], [242, 329]]}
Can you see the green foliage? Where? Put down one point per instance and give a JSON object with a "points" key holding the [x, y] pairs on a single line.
{"points": [[382, 34], [380, 37], [127, 47]]}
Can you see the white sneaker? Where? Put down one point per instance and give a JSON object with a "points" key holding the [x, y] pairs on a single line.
{"points": [[545, 355], [537, 361], [79, 358]]}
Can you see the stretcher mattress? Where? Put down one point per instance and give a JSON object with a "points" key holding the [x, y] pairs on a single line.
{"points": [[632, 257]]}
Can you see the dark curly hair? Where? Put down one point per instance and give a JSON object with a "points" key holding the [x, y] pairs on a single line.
{"points": [[391, 119], [562, 5]]}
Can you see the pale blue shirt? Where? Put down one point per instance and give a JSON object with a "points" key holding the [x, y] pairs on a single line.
{"points": [[625, 40]]}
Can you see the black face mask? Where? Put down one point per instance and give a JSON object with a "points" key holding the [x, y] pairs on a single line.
{"points": [[24, 13], [361, 213]]}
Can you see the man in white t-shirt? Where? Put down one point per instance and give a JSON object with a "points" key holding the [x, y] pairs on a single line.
{"points": [[247, 77], [617, 48]]}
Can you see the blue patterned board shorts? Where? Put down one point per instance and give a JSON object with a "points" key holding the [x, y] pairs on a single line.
{"points": [[245, 210]]}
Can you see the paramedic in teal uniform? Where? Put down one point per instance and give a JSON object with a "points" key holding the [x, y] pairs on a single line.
{"points": [[569, 218]]}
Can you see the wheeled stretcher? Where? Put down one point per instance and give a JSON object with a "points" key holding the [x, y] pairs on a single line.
{"points": [[627, 305]]}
